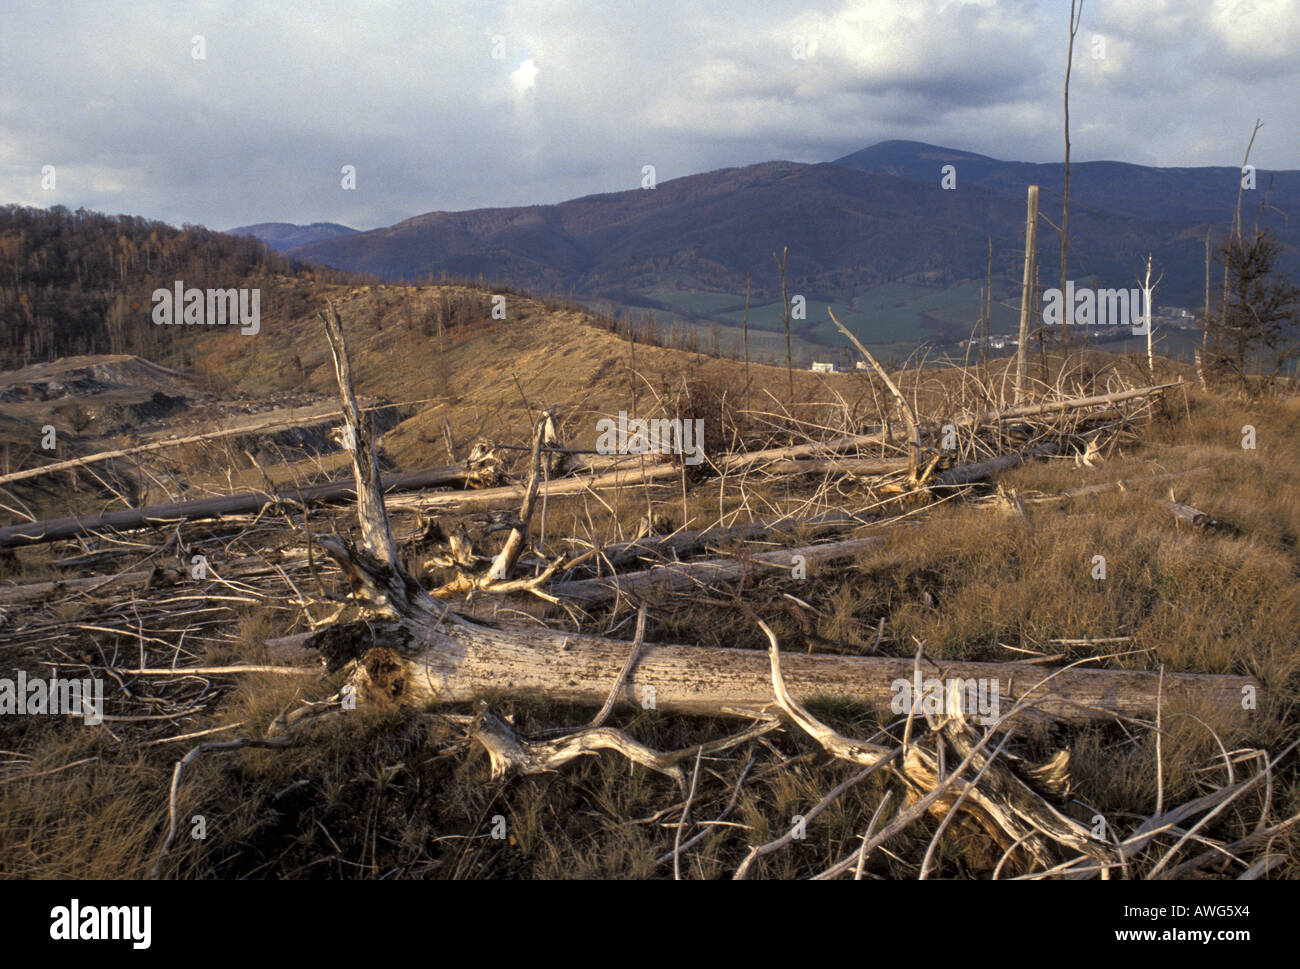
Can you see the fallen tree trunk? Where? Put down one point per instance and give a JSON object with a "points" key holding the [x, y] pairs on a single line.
{"points": [[981, 470], [1056, 406], [513, 494], [683, 575], [141, 578], [687, 542], [737, 462], [247, 503], [419, 662], [865, 466], [413, 649]]}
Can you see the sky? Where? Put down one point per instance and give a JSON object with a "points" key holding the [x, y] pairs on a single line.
{"points": [[232, 113]]}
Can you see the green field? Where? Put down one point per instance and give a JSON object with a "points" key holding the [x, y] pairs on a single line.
{"points": [[890, 313], [894, 319]]}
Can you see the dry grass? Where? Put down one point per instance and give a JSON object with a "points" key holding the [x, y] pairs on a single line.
{"points": [[397, 794]]}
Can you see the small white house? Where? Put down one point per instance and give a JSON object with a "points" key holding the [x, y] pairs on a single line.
{"points": [[823, 367]]}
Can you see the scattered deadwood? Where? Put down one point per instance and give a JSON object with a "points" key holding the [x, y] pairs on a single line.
{"points": [[995, 800], [435, 655], [411, 654], [154, 577], [728, 463], [453, 502], [495, 577], [1183, 513], [411, 648], [1195, 518]]}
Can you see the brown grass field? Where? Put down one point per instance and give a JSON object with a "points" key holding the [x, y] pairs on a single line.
{"points": [[399, 792]]}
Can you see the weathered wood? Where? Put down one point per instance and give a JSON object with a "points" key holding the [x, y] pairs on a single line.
{"points": [[140, 578], [1196, 518], [863, 466], [461, 661], [373, 516], [248, 503], [981, 470], [740, 461], [1026, 308], [686, 542], [513, 494], [425, 653], [245, 503], [1056, 406], [684, 575]]}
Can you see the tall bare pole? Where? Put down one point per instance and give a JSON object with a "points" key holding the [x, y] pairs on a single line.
{"points": [[1026, 292], [986, 309], [785, 307], [1241, 184], [745, 326], [1203, 362], [1065, 205], [1042, 331]]}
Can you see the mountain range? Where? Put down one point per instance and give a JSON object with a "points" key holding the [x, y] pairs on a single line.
{"points": [[874, 234], [282, 236]]}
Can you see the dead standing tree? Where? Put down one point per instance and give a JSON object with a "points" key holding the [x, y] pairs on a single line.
{"points": [[1075, 19]]}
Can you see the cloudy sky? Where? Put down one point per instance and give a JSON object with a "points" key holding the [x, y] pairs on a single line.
{"points": [[471, 103]]}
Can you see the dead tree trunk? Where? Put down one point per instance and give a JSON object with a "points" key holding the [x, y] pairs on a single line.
{"points": [[1026, 303], [419, 662], [683, 575]]}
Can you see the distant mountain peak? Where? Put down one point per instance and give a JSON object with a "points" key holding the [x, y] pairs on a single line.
{"points": [[287, 235], [899, 150]]}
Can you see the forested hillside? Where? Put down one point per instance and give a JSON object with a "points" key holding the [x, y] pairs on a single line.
{"points": [[80, 282]]}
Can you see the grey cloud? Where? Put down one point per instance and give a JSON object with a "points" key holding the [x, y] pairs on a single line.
{"points": [[410, 94]]}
